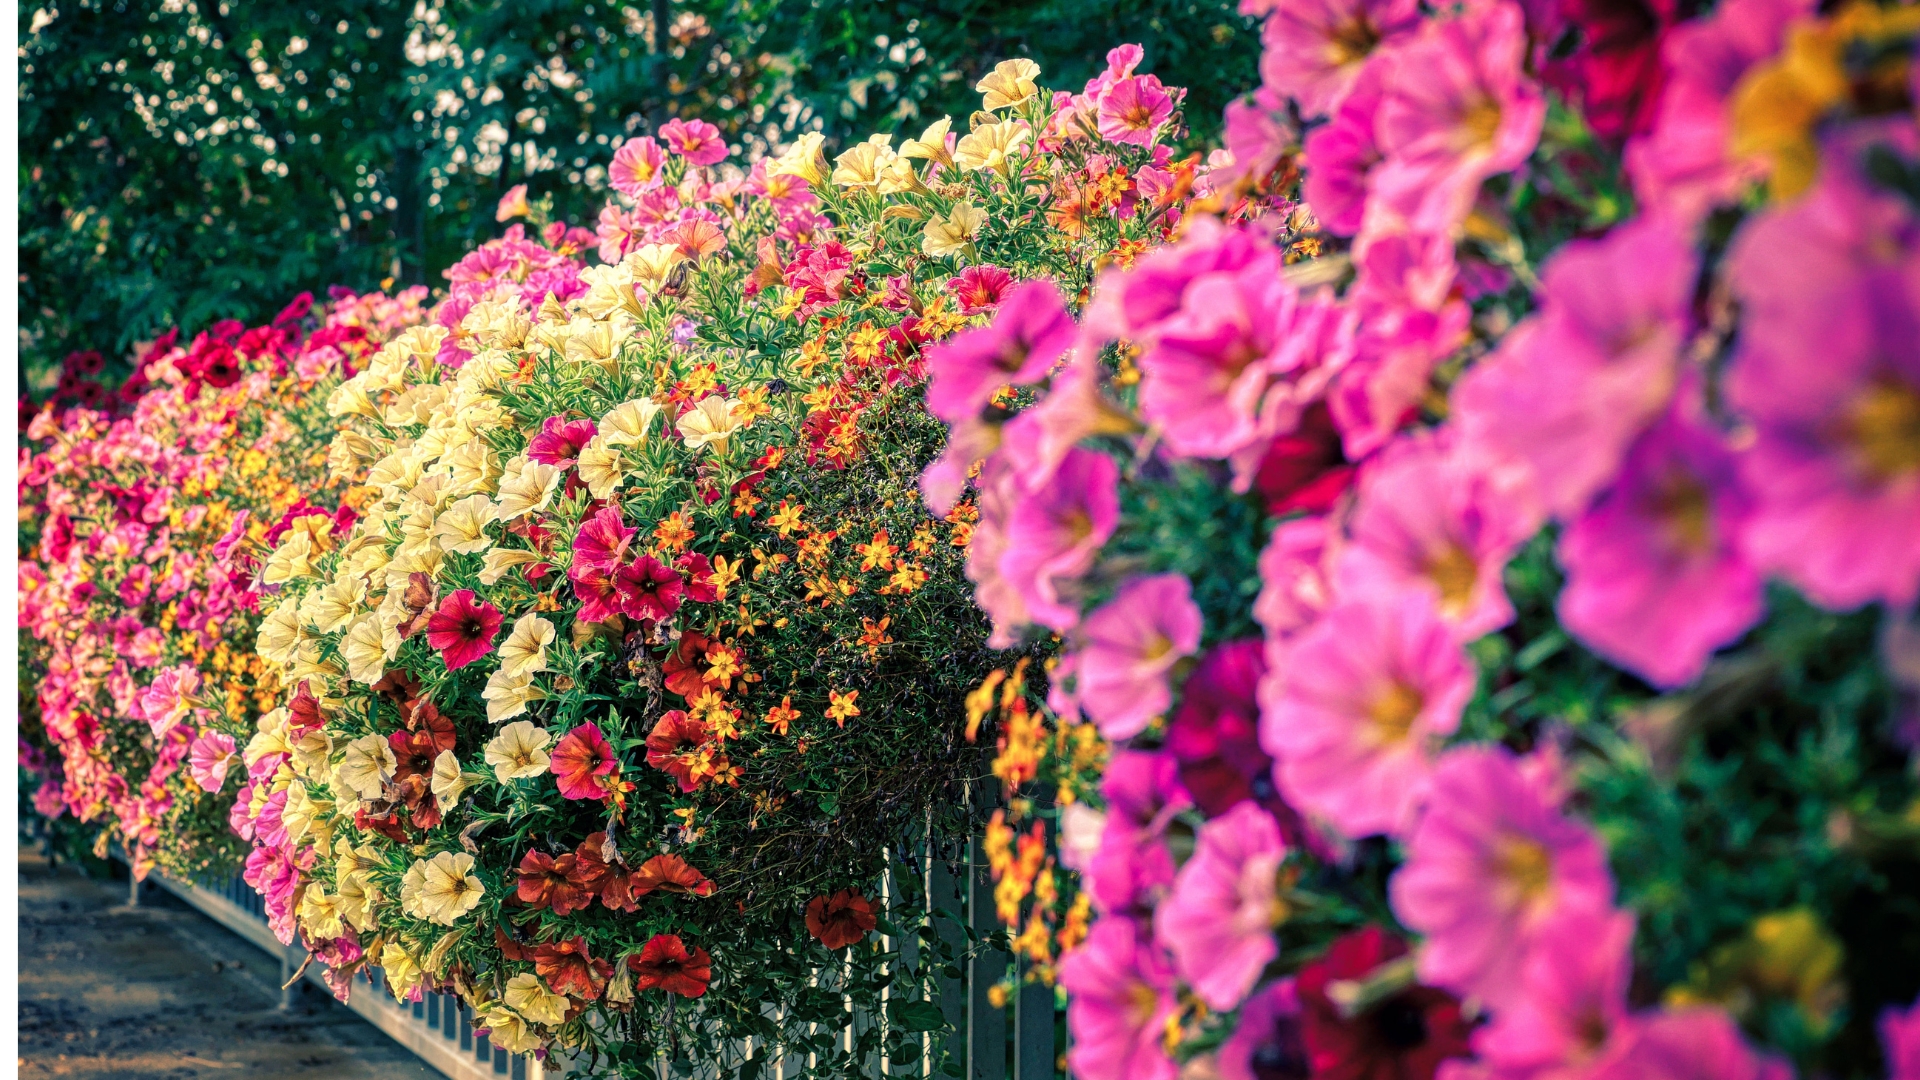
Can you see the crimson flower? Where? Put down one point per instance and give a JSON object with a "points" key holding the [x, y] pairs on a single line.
{"points": [[665, 964], [601, 543], [980, 288], [1306, 470], [584, 764], [463, 629], [649, 589], [1404, 1037], [841, 919], [568, 969], [598, 594], [549, 882], [673, 747], [699, 573], [560, 441]]}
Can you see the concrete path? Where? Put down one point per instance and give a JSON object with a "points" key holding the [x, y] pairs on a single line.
{"points": [[108, 991]]}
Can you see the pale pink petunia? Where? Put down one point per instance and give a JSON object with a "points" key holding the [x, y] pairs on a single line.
{"points": [[1030, 332], [1490, 862], [1371, 689], [1120, 992], [1429, 521], [999, 494], [1054, 533], [208, 759], [1126, 649], [1407, 322], [696, 140], [1258, 134], [1296, 588], [1656, 579], [1218, 920], [1132, 110], [1458, 108], [1900, 1041], [1570, 389], [1314, 50], [1688, 1044], [1570, 1014], [169, 697], [513, 204], [969, 442], [635, 168]]}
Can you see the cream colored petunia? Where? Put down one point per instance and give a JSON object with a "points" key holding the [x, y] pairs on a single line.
{"points": [[402, 969], [627, 424], [356, 898], [313, 755], [366, 767], [416, 529], [525, 995], [711, 423], [350, 452], [951, 234], [932, 143], [279, 634], [500, 560], [508, 696], [332, 606], [320, 913], [449, 888], [860, 165], [988, 146], [609, 289], [350, 398], [509, 1031], [400, 469], [269, 737], [292, 559], [472, 468], [652, 264], [519, 751], [365, 649], [351, 858], [296, 813], [803, 159], [415, 405], [526, 487], [525, 650], [600, 467], [448, 781], [462, 527], [420, 342], [591, 341], [1009, 83], [899, 177]]}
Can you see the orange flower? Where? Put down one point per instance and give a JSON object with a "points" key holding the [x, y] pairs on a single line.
{"points": [[841, 707], [841, 919], [878, 554], [874, 634], [786, 518], [674, 533], [670, 873], [782, 715]]}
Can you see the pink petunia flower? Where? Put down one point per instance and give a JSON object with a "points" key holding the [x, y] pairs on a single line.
{"points": [[1133, 109], [1570, 1012], [980, 288], [635, 168], [602, 542], [598, 592], [1267, 1043], [1218, 920], [1131, 868], [169, 698], [1296, 588], [1428, 521], [1835, 465], [1029, 333], [1370, 690], [1258, 133], [1054, 533], [696, 140], [582, 763], [1128, 647], [1689, 1044], [649, 589], [1341, 154], [1569, 390], [1490, 862], [209, 757], [463, 629], [1656, 580], [1314, 51], [513, 204], [1120, 994], [560, 441], [1900, 1041], [1458, 108]]}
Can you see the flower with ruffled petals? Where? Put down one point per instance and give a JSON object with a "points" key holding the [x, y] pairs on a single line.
{"points": [[840, 920], [1054, 533], [519, 751], [1029, 333], [635, 167], [980, 288], [675, 746], [559, 441], [1571, 1012], [463, 629], [1120, 992], [1405, 1036], [649, 589], [1314, 51], [1132, 110], [584, 764], [696, 140], [1218, 922], [513, 204], [570, 968], [602, 541], [665, 963], [209, 757], [1127, 648]]}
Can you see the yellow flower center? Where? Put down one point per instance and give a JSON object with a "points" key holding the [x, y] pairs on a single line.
{"points": [[1682, 504], [1524, 864], [1352, 41], [1882, 425], [1394, 712], [1455, 573], [1142, 1000], [1481, 122]]}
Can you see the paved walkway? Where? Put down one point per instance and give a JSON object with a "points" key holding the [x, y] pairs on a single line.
{"points": [[108, 991]]}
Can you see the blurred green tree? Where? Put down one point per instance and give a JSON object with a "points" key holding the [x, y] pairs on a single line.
{"points": [[184, 161]]}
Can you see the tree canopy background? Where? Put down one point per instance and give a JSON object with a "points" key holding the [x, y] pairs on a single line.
{"points": [[184, 161]]}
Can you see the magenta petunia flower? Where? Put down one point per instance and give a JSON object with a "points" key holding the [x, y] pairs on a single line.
{"points": [[1132, 867], [560, 441], [1120, 993], [602, 542], [649, 589], [635, 168], [1296, 588], [1267, 1043], [1570, 389], [1370, 690], [1218, 920], [1656, 580], [1315, 50], [1029, 333], [582, 763], [1408, 320], [598, 592], [1688, 1044], [993, 592], [1430, 522], [462, 629], [1570, 1012], [1490, 862], [1054, 533], [1133, 109], [980, 288], [1258, 133], [1900, 1041], [1215, 735], [1127, 649], [208, 759], [1835, 464], [1341, 154], [1458, 108], [696, 140]]}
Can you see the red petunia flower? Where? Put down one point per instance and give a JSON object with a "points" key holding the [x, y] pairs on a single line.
{"points": [[673, 747], [599, 595], [649, 589], [685, 669], [1404, 1037], [601, 544], [665, 963], [980, 288], [1306, 470], [584, 764], [549, 882], [699, 573], [841, 919], [568, 969], [670, 873], [560, 441], [463, 629]]}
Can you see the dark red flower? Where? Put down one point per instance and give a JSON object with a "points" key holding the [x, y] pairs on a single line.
{"points": [[649, 589], [549, 882], [219, 366], [413, 752], [463, 629], [841, 919], [699, 573], [584, 764], [569, 969], [295, 311], [673, 747], [84, 364], [560, 441], [1306, 470], [1404, 1037], [1616, 71], [665, 963], [1215, 736]]}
